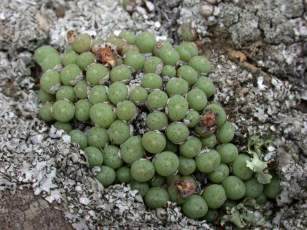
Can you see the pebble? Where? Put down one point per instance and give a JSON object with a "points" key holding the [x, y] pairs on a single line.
{"points": [[206, 10], [84, 200], [150, 6]]}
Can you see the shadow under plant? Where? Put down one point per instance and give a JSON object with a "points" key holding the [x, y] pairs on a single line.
{"points": [[263, 103]]}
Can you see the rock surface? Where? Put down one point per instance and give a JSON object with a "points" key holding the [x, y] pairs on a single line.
{"points": [[273, 34]]}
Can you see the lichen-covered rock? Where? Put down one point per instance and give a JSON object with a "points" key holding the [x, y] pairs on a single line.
{"points": [[273, 33]]}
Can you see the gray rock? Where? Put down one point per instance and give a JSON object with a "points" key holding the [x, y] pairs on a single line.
{"points": [[279, 25]]}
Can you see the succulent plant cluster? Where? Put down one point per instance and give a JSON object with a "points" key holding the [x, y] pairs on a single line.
{"points": [[96, 91]]}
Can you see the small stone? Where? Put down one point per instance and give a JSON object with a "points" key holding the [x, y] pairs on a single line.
{"points": [[66, 138], [150, 6], [206, 10], [84, 200], [161, 213]]}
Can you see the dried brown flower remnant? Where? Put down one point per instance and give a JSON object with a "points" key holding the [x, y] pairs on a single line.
{"points": [[201, 45], [187, 32], [236, 55], [71, 36], [186, 187], [106, 56], [159, 45], [207, 124], [208, 120]]}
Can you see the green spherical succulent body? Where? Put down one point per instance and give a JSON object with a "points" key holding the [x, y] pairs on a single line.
{"points": [[81, 89], [156, 197], [206, 85], [154, 141], [94, 156], [97, 74], [156, 120], [169, 71], [44, 96], [138, 95], [240, 169], [177, 107], [177, 132], [151, 81], [66, 92], [228, 152], [71, 74], [187, 73], [253, 188], [45, 112], [63, 110], [191, 47], [169, 55], [208, 161], [97, 137], [153, 65], [142, 188], [145, 42], [156, 100], [111, 157], [82, 43], [191, 147], [272, 189], [42, 52], [123, 175], [187, 166], [126, 110], [142, 170], [234, 187], [209, 142], [214, 196], [134, 59], [117, 92], [106, 176], [197, 99], [201, 64], [50, 82], [184, 53], [121, 73], [85, 59], [118, 132], [219, 173], [63, 125], [69, 57], [177, 86], [102, 114], [166, 163], [195, 207], [192, 118], [226, 132], [52, 61], [132, 149], [82, 112], [78, 137], [128, 36]]}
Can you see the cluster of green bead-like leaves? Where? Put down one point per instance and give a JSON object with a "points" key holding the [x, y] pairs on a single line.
{"points": [[143, 113]]}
